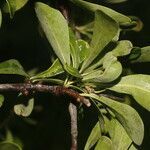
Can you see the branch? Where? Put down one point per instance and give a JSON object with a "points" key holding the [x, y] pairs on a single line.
{"points": [[26, 88], [74, 128]]}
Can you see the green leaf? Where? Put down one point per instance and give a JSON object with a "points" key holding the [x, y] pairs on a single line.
{"points": [[136, 85], [56, 30], [123, 48], [112, 70], [144, 55], [1, 100], [0, 18], [115, 1], [74, 50], [9, 146], [55, 69], [84, 49], [72, 71], [135, 53], [12, 66], [104, 143], [120, 18], [126, 115], [119, 136], [11, 6], [23, 110], [93, 137], [105, 29]]}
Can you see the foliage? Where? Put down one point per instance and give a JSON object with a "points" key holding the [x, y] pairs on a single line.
{"points": [[88, 59]]}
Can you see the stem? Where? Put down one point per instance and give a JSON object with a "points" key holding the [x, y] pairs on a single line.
{"points": [[26, 88], [74, 128]]}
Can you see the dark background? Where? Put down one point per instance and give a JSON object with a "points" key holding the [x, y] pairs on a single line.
{"points": [[20, 39]]}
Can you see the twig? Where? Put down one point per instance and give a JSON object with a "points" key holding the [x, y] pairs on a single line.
{"points": [[26, 88], [74, 128]]}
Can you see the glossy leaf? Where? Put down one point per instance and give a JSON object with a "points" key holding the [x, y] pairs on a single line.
{"points": [[123, 48], [120, 18], [126, 115], [72, 71], [93, 137], [104, 143], [74, 49], [144, 55], [119, 136], [1, 100], [55, 69], [56, 30], [136, 85], [105, 29], [12, 66], [23, 110], [0, 17], [11, 6], [9, 146]]}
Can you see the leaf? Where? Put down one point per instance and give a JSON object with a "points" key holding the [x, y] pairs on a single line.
{"points": [[120, 18], [93, 137], [123, 48], [104, 143], [105, 29], [1, 100], [83, 49], [56, 30], [11, 6], [23, 110], [9, 146], [0, 18], [72, 71], [136, 85], [74, 50], [115, 1], [12, 66], [144, 55], [55, 69], [112, 70], [126, 115], [118, 135]]}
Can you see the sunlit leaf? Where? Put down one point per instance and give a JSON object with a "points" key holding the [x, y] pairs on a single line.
{"points": [[11, 6], [144, 55], [122, 19], [119, 136], [136, 85], [72, 71], [74, 48], [126, 115], [1, 100], [23, 110], [56, 30], [93, 137], [55, 69], [105, 29], [12, 66], [104, 143], [123, 48], [9, 146]]}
